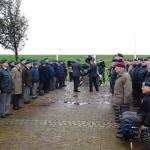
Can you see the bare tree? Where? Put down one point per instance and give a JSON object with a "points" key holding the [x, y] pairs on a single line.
{"points": [[13, 26]]}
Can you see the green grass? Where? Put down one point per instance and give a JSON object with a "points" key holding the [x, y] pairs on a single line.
{"points": [[106, 58]]}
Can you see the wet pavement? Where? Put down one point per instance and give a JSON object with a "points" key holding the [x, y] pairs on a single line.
{"points": [[64, 120]]}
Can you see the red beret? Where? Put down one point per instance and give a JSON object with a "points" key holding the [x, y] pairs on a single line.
{"points": [[120, 64]]}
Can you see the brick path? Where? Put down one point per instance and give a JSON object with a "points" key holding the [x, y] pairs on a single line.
{"points": [[54, 122]]}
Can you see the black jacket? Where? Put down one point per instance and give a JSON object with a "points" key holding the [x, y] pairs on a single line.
{"points": [[93, 70], [76, 68], [6, 81], [145, 110], [142, 74]]}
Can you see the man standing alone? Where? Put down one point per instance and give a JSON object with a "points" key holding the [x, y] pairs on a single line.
{"points": [[76, 68], [92, 73]]}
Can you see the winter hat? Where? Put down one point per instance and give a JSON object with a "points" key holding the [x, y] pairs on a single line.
{"points": [[146, 84], [120, 64]]}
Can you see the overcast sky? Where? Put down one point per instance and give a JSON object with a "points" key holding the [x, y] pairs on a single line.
{"points": [[87, 26]]}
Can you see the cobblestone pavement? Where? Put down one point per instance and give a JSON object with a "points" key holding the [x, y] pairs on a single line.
{"points": [[56, 122]]}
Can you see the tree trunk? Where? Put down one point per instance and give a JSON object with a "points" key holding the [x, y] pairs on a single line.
{"points": [[16, 55]]}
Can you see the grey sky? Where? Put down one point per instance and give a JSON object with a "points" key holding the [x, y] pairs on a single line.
{"points": [[87, 26]]}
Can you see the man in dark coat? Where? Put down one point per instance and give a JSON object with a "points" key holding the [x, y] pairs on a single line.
{"points": [[52, 74], [141, 78], [61, 75], [44, 76], [76, 68], [148, 72], [101, 69], [92, 73], [65, 70], [135, 84], [27, 82], [57, 69], [112, 75], [35, 79], [143, 116], [6, 87]]}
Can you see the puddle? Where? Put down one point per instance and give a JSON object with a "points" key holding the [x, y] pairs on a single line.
{"points": [[107, 103], [76, 103]]}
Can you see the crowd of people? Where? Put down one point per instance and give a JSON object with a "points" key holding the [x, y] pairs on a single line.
{"points": [[26, 78], [90, 69], [130, 86]]}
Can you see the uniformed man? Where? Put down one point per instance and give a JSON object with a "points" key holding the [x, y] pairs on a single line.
{"points": [[27, 82], [142, 118], [123, 86], [6, 87], [101, 69], [92, 73], [76, 68]]}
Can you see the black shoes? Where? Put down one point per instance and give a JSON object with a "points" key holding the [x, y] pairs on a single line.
{"points": [[26, 102], [76, 91], [76, 103], [41, 94], [15, 108], [3, 116], [8, 114], [34, 97], [92, 90], [119, 135]]}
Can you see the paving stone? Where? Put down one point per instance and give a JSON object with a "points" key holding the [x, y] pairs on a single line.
{"points": [[50, 124]]}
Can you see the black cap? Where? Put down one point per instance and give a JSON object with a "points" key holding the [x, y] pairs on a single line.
{"points": [[120, 55]]}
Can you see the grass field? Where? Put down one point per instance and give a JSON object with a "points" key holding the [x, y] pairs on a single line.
{"points": [[106, 58]]}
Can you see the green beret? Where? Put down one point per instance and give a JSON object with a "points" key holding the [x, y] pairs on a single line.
{"points": [[141, 59], [22, 59], [45, 58], [10, 61], [4, 61], [60, 61], [114, 60], [42, 62], [145, 59], [30, 60], [16, 62], [35, 61], [146, 84], [27, 62]]}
